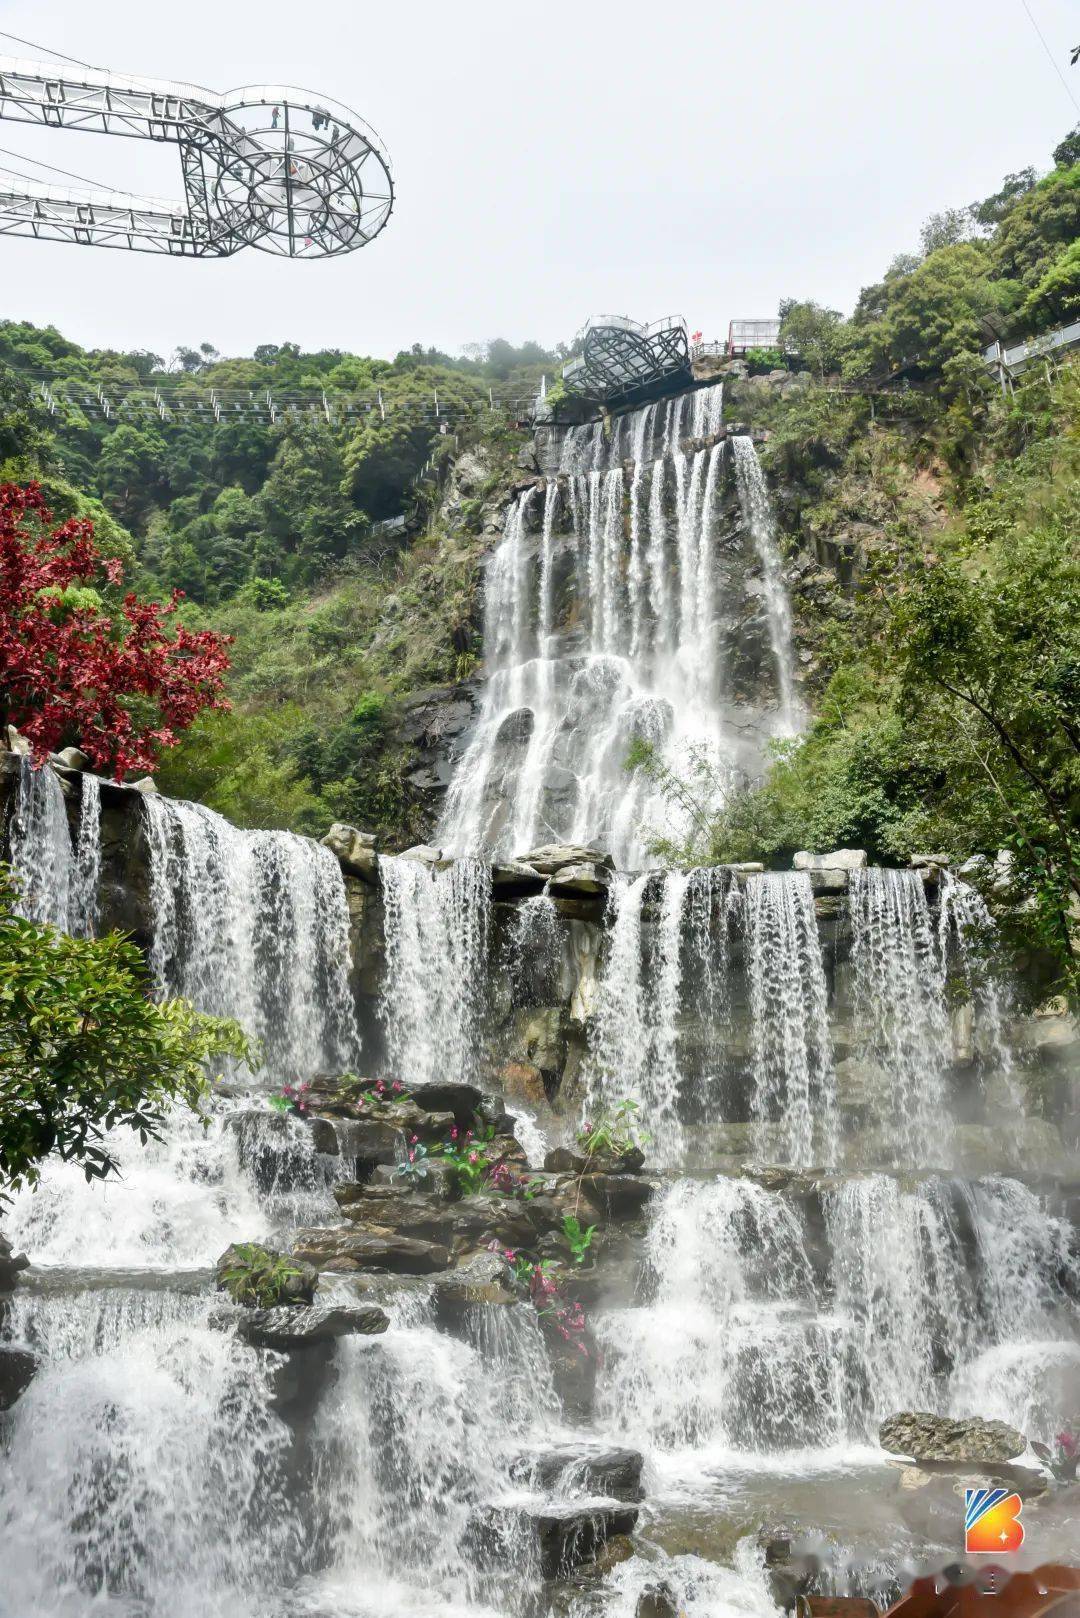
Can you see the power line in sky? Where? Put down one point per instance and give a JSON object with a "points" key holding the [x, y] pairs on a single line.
{"points": [[1053, 59]]}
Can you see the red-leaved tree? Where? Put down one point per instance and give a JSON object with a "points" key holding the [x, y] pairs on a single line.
{"points": [[120, 684]]}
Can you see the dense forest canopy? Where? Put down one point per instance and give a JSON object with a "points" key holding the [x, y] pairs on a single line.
{"points": [[210, 505]]}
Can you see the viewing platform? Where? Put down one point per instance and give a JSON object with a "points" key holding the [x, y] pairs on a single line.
{"points": [[625, 362]]}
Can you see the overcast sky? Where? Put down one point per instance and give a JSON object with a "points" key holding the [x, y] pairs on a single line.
{"points": [[561, 160]]}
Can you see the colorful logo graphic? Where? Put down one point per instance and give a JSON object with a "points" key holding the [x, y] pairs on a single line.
{"points": [[992, 1521]]}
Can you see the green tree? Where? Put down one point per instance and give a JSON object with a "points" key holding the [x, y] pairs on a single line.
{"points": [[1002, 647], [945, 229], [130, 471], [950, 304], [1057, 295], [1041, 225], [815, 333], [1067, 152], [83, 1049], [992, 209]]}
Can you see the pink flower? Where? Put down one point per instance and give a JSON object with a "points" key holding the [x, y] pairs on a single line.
{"points": [[413, 1139], [453, 1133]]}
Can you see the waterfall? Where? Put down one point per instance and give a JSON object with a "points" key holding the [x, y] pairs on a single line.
{"points": [[42, 859], [253, 925], [177, 1203], [635, 654], [728, 1354], [437, 925], [899, 994], [742, 1350], [653, 972], [794, 1100], [965, 922], [759, 518], [56, 884], [86, 876], [938, 1283], [146, 1472]]}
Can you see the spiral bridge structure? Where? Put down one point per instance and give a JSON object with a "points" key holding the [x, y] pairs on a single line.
{"points": [[271, 167]]}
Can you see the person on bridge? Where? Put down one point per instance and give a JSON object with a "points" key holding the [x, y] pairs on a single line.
{"points": [[274, 116]]}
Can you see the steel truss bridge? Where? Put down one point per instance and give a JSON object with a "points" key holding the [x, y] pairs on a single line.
{"points": [[623, 361], [163, 402], [270, 167]]}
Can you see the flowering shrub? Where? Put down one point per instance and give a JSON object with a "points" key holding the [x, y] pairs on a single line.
{"points": [[557, 1313], [122, 681], [370, 1092], [467, 1153], [612, 1133], [292, 1098]]}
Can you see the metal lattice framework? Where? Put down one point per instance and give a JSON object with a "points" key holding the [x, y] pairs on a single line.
{"points": [[167, 402], [270, 167], [621, 358]]}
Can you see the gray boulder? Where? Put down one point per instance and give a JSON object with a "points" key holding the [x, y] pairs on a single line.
{"points": [[838, 859], [480, 1280], [926, 1437], [424, 853], [287, 1329], [584, 1469], [566, 1534], [586, 877], [554, 858], [17, 1367], [10, 1265], [344, 1248], [354, 850], [72, 758], [515, 876]]}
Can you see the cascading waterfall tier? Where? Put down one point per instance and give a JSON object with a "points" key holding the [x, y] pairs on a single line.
{"points": [[794, 1096], [757, 1339], [900, 1007], [613, 615], [655, 971], [669, 964], [436, 929], [253, 925], [56, 884]]}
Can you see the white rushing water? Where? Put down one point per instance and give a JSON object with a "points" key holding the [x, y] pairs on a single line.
{"points": [[55, 882], [253, 925], [653, 974], [603, 624], [744, 1351], [900, 1007], [794, 1082], [436, 928], [753, 1331]]}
